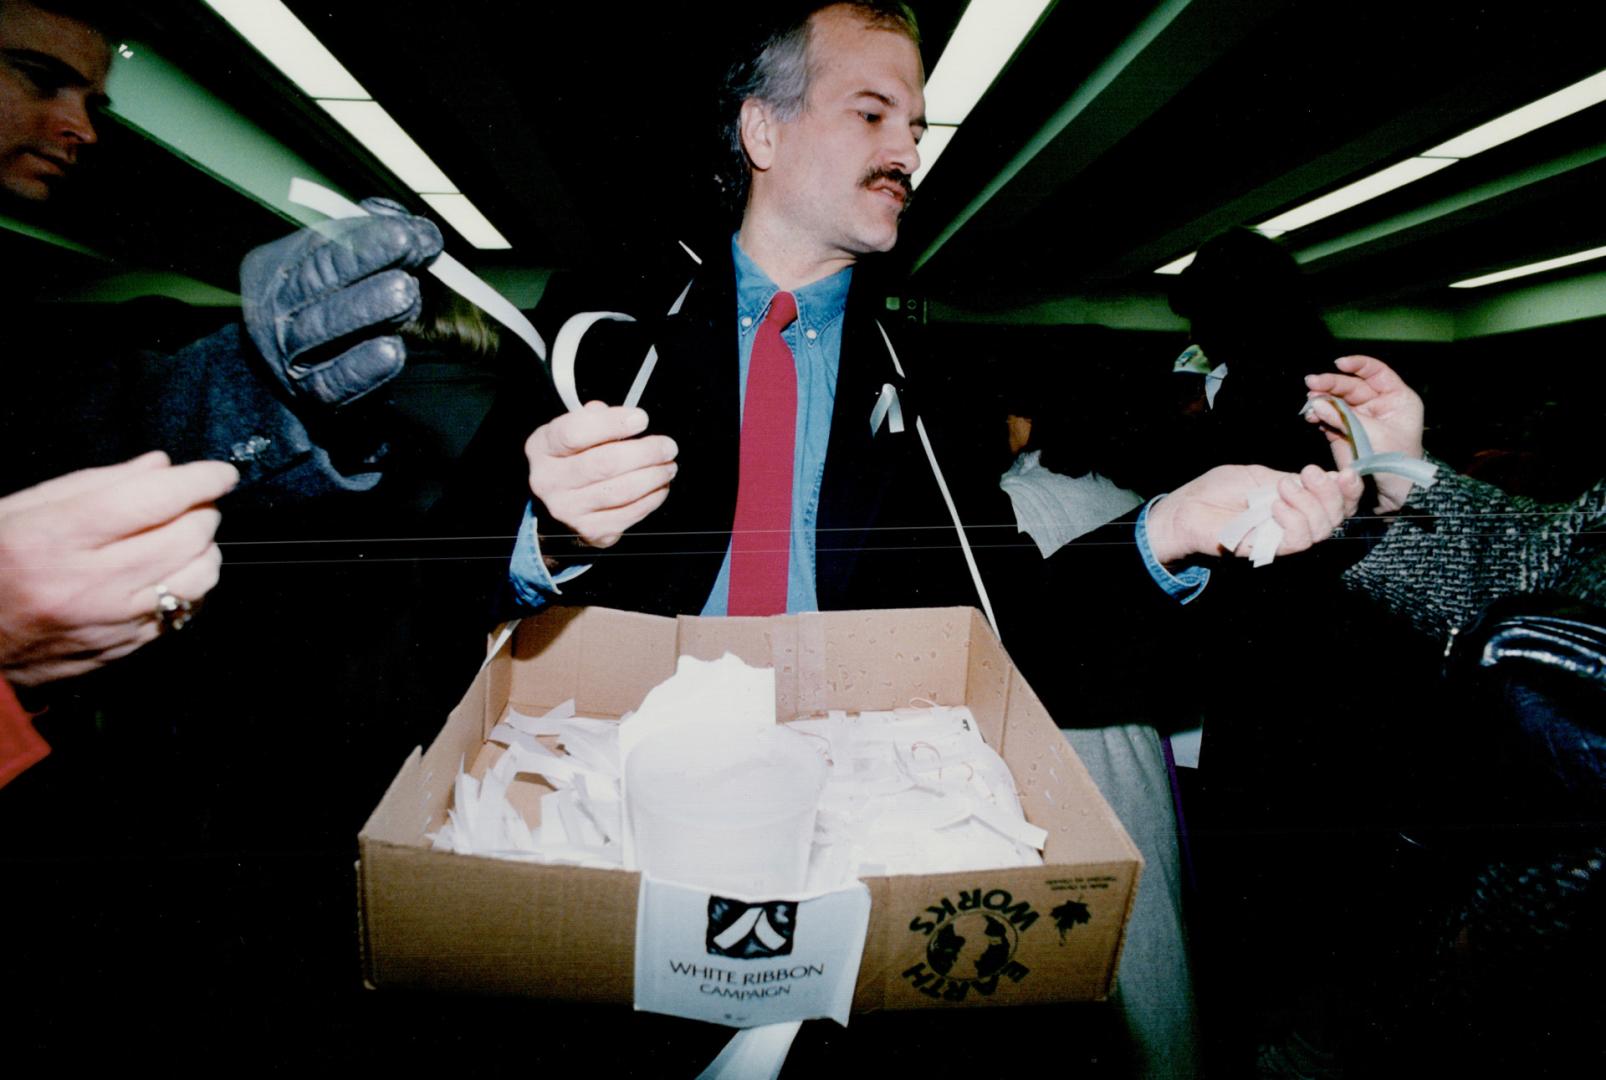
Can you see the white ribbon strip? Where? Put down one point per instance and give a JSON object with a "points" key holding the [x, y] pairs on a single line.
{"points": [[502, 635], [451, 273], [1419, 472], [567, 347], [1255, 519], [753, 1053], [887, 408], [942, 486]]}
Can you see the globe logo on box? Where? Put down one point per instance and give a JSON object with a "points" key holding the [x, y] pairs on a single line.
{"points": [[974, 945], [970, 943]]}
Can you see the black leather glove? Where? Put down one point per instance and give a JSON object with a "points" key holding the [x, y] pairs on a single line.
{"points": [[322, 306]]}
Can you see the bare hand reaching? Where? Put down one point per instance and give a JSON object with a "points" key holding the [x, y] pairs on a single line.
{"points": [[82, 556], [1309, 507], [1390, 411]]}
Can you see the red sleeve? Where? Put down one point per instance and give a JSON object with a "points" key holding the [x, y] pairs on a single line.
{"points": [[20, 744]]}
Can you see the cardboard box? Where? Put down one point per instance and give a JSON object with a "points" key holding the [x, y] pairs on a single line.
{"points": [[444, 921]]}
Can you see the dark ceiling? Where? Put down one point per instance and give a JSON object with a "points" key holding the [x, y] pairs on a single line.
{"points": [[1122, 136]]}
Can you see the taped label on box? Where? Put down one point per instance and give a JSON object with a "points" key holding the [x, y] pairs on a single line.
{"points": [[746, 963]]}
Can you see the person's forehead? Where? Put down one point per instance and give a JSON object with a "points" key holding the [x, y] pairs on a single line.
{"points": [[29, 29], [846, 55]]}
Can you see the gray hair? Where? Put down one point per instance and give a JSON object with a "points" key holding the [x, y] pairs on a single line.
{"points": [[778, 72]]}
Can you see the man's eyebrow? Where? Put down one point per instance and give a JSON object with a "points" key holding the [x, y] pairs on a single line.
{"points": [[889, 102], [58, 67]]}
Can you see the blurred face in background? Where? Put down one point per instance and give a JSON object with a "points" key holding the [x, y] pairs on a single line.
{"points": [[52, 83]]}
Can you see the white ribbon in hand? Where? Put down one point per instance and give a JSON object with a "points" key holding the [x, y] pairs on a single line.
{"points": [[451, 273], [567, 346]]}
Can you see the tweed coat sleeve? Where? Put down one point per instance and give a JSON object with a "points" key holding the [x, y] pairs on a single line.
{"points": [[1461, 544]]}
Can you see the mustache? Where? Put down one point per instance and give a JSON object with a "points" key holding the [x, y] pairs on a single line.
{"points": [[897, 176]]}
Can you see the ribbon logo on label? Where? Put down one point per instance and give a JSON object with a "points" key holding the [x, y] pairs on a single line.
{"points": [[751, 931]]}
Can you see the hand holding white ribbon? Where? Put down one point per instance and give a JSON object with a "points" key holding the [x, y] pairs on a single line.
{"points": [[451, 273], [567, 347], [1419, 472]]}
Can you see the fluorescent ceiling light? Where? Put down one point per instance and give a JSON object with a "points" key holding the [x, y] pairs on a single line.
{"points": [[1531, 268], [932, 144], [378, 131], [1362, 190], [290, 46], [1547, 110], [1177, 266], [466, 218], [988, 34], [285, 40]]}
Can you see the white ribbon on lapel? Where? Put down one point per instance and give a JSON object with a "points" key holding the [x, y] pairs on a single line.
{"points": [[887, 408]]}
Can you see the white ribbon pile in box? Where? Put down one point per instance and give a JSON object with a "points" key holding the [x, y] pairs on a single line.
{"points": [[911, 791]]}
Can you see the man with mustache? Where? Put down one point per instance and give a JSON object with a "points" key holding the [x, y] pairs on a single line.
{"points": [[823, 124], [674, 508]]}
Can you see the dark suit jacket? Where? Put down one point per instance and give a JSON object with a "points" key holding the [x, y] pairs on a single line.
{"points": [[884, 536]]}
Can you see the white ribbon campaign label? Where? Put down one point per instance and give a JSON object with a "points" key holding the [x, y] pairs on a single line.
{"points": [[744, 962]]}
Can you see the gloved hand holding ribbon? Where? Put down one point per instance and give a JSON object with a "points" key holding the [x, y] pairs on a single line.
{"points": [[323, 305]]}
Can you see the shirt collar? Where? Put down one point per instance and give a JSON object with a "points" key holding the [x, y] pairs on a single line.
{"points": [[819, 303]]}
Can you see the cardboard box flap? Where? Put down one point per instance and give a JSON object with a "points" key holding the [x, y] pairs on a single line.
{"points": [[415, 803], [1056, 790], [397, 816], [988, 676], [467, 923]]}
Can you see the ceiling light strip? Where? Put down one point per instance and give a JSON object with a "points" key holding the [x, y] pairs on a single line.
{"points": [[275, 32], [1547, 110], [371, 125], [1531, 268], [285, 40], [988, 36], [466, 218], [1363, 190], [1502, 129]]}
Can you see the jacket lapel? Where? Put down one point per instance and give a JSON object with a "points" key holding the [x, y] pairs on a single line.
{"points": [[859, 465]]}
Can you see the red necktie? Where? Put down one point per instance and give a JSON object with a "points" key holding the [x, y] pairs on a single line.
{"points": [[761, 538], [20, 744]]}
